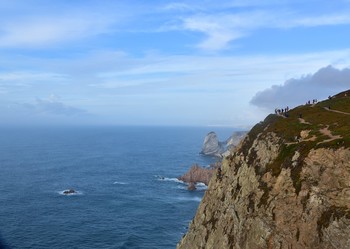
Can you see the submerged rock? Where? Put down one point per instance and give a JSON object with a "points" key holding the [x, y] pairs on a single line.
{"points": [[69, 192], [191, 186]]}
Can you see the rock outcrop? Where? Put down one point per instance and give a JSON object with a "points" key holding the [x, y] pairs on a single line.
{"points": [[286, 185], [213, 147], [198, 174], [69, 191]]}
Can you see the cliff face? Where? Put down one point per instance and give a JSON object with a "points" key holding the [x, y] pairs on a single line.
{"points": [[287, 185]]}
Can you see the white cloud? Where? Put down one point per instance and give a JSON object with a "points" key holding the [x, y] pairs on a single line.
{"points": [[314, 21], [48, 106], [221, 23], [326, 81], [38, 24], [29, 76], [218, 34], [178, 6], [222, 28], [42, 111], [54, 106], [116, 84], [33, 32]]}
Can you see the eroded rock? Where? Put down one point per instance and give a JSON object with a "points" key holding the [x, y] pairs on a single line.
{"points": [[199, 174]]}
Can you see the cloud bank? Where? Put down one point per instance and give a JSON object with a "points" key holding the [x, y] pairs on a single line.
{"points": [[53, 106], [326, 81], [41, 111], [220, 29]]}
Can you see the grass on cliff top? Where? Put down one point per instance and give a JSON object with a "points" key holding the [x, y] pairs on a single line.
{"points": [[316, 117]]}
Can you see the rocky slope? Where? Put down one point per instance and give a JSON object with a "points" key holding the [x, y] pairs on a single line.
{"points": [[286, 185]]}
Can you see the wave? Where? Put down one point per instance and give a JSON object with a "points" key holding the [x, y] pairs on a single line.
{"points": [[167, 179], [195, 198], [201, 186], [184, 187], [120, 183]]}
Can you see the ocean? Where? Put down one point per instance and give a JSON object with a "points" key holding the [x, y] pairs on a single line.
{"points": [[125, 177]]}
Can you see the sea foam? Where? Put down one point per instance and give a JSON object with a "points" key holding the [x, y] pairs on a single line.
{"points": [[195, 198], [167, 179], [120, 183], [76, 193]]}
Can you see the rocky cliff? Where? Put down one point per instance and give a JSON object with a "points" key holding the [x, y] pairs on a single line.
{"points": [[286, 185]]}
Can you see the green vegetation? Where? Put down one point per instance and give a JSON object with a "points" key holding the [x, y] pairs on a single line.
{"points": [[317, 117], [337, 103], [255, 131], [322, 128]]}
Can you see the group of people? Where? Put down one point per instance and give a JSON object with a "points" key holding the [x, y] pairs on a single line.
{"points": [[283, 111], [314, 101]]}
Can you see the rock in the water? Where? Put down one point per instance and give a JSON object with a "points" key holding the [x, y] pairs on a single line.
{"points": [[69, 192], [191, 186], [198, 174], [213, 147]]}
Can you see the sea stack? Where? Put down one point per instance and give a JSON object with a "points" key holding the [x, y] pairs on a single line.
{"points": [[212, 146]]}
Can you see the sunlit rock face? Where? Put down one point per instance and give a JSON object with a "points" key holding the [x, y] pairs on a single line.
{"points": [[213, 147]]}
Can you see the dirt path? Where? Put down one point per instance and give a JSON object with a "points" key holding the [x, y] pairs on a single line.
{"points": [[305, 133], [301, 120], [330, 110], [325, 131]]}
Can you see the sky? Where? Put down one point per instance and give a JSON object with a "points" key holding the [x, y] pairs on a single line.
{"points": [[189, 63]]}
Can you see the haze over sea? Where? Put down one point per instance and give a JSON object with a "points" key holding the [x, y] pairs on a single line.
{"points": [[128, 195]]}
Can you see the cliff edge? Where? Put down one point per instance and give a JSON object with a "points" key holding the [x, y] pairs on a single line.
{"points": [[286, 185]]}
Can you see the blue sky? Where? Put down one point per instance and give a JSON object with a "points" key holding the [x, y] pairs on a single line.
{"points": [[211, 63]]}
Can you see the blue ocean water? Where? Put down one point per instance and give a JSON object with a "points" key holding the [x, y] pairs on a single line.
{"points": [[128, 195]]}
